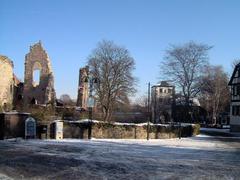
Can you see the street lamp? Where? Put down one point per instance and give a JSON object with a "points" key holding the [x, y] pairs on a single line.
{"points": [[148, 124], [90, 104]]}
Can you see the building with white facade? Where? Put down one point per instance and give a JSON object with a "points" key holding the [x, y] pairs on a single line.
{"points": [[162, 102], [235, 100]]}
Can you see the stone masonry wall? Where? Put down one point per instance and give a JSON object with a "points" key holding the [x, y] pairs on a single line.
{"points": [[6, 81], [103, 130], [83, 88]]}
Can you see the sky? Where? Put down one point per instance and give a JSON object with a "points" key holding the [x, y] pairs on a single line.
{"points": [[70, 29]]}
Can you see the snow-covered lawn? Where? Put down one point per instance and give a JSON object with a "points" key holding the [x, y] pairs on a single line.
{"points": [[201, 157]]}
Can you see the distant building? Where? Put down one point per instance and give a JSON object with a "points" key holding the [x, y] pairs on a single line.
{"points": [[6, 83], [193, 113], [15, 94], [162, 102], [83, 87], [235, 100]]}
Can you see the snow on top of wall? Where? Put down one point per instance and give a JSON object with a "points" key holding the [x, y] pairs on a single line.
{"points": [[126, 124]]}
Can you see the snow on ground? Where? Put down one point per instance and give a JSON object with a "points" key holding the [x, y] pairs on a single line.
{"points": [[220, 132], [216, 130], [201, 157], [185, 143], [4, 177]]}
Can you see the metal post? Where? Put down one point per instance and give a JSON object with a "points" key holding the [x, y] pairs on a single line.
{"points": [[179, 130], [90, 124], [148, 125], [90, 108]]}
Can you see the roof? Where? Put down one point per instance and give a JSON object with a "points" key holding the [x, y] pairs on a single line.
{"points": [[234, 72], [163, 84]]}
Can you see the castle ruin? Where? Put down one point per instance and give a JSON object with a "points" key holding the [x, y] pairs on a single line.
{"points": [[6, 83], [83, 88], [40, 90]]}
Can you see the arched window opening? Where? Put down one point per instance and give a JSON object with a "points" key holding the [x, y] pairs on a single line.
{"points": [[20, 97], [5, 106], [33, 101], [36, 74], [36, 77], [11, 88]]}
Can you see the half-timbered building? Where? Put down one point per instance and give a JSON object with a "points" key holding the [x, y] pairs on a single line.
{"points": [[235, 100]]}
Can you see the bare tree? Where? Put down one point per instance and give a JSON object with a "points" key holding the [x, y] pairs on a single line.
{"points": [[142, 101], [184, 66], [140, 104], [66, 99], [215, 93], [235, 62], [112, 65]]}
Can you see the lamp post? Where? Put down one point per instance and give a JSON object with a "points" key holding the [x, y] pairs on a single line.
{"points": [[91, 81], [148, 124], [179, 130]]}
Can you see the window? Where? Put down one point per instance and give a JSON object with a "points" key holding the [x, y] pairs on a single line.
{"points": [[33, 101], [36, 77], [169, 91], [238, 90], [234, 90], [233, 110], [236, 110], [11, 88], [19, 97], [160, 90], [36, 74]]}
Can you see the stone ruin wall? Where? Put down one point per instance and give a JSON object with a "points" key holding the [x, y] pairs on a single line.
{"points": [[43, 93], [6, 81], [83, 88]]}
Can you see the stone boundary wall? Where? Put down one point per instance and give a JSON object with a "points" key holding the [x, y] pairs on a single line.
{"points": [[12, 125], [102, 130]]}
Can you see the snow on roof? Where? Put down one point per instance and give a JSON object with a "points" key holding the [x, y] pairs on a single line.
{"points": [[163, 84]]}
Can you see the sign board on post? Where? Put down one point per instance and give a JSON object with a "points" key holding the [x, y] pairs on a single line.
{"points": [[90, 102], [30, 128], [59, 130]]}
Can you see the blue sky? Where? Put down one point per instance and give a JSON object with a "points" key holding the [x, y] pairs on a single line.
{"points": [[70, 29]]}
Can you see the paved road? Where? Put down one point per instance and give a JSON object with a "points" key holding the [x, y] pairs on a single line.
{"points": [[202, 157]]}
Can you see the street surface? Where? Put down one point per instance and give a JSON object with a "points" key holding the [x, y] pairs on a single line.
{"points": [[201, 157]]}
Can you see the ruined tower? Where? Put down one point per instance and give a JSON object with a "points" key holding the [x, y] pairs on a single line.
{"points": [[6, 83], [39, 89], [162, 102], [83, 87]]}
